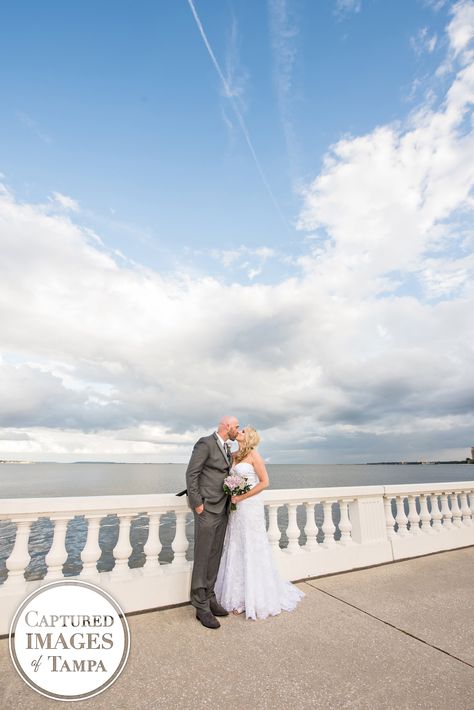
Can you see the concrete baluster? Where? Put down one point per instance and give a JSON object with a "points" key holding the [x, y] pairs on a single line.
{"points": [[152, 547], [311, 529], [328, 525], [293, 531], [425, 516], [465, 510], [345, 525], [446, 511], [92, 551], [57, 555], [180, 543], [436, 514], [401, 518], [273, 531], [123, 548], [456, 510], [19, 559], [389, 519], [413, 516]]}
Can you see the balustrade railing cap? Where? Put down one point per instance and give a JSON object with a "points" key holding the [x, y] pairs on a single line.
{"points": [[162, 502], [415, 488], [289, 495], [81, 504]]}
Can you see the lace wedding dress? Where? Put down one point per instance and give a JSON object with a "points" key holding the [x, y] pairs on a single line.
{"points": [[248, 578]]}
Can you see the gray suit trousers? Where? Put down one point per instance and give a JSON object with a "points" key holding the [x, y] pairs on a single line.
{"points": [[209, 533]]}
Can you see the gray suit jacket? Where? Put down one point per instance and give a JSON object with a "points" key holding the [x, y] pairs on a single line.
{"points": [[207, 469]]}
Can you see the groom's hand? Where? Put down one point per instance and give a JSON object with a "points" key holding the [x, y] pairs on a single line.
{"points": [[199, 509]]}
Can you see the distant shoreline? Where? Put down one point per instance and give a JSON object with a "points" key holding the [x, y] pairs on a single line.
{"points": [[177, 463], [416, 463]]}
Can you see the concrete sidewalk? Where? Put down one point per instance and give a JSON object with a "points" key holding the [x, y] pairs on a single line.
{"points": [[396, 636]]}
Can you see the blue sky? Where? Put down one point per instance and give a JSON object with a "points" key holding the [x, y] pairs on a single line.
{"points": [[316, 199], [119, 105]]}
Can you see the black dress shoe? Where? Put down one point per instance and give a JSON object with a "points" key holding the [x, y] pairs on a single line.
{"points": [[217, 609], [207, 619]]}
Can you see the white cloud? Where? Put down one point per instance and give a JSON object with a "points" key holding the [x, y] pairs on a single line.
{"points": [[139, 443], [388, 199], [65, 202], [265, 252], [444, 277], [227, 257], [252, 273], [362, 355], [435, 5], [460, 29], [14, 436], [344, 7], [422, 42], [250, 260]]}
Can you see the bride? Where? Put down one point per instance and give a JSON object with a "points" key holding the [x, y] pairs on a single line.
{"points": [[248, 579]]}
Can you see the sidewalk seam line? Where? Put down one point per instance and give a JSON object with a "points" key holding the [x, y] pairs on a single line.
{"points": [[387, 623]]}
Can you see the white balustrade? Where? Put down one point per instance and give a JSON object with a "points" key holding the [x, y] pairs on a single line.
{"points": [[454, 512], [368, 535]]}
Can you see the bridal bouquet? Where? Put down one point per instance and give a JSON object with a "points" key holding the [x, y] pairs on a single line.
{"points": [[236, 485]]}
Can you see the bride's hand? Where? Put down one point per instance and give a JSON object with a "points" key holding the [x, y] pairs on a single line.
{"points": [[235, 499]]}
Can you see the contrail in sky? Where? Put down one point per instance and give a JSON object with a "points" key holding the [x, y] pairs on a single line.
{"points": [[228, 93]]}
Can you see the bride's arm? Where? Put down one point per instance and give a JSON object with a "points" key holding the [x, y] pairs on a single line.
{"points": [[259, 465]]}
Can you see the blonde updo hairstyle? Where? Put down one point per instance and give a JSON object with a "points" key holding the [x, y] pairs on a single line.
{"points": [[250, 442]]}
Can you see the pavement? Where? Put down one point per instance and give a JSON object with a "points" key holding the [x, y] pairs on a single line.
{"points": [[398, 636]]}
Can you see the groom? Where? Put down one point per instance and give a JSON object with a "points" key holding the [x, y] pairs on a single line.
{"points": [[208, 467]]}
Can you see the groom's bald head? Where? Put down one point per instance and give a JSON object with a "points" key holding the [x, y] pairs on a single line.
{"points": [[228, 427]]}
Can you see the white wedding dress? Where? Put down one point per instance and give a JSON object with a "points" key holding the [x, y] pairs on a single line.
{"points": [[248, 578]]}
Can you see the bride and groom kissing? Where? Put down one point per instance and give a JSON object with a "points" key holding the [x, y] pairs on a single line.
{"points": [[233, 566]]}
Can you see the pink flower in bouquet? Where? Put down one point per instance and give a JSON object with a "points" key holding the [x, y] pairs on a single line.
{"points": [[236, 485]]}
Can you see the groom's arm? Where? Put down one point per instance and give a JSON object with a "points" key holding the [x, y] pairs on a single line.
{"points": [[194, 470]]}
